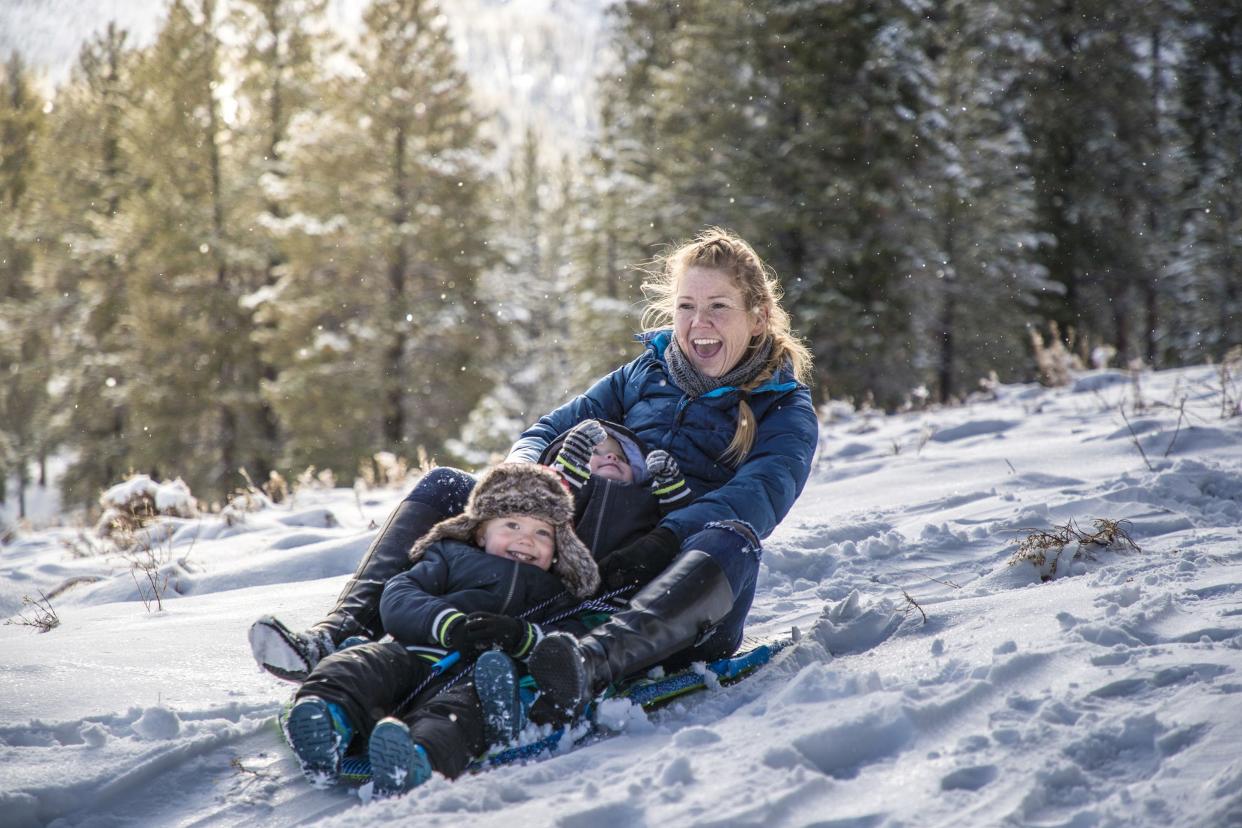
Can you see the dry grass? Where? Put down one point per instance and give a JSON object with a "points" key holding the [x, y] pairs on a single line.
{"points": [[1230, 375], [1054, 358], [148, 562], [1048, 550], [913, 604], [42, 616]]}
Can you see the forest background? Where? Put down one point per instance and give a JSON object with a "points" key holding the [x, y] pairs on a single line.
{"points": [[256, 240]]}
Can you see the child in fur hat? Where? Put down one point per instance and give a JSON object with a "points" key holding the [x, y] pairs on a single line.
{"points": [[480, 580]]}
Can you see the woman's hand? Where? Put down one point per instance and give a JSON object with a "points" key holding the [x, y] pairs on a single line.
{"points": [[641, 560]]}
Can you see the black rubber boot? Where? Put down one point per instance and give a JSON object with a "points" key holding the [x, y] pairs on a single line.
{"points": [[666, 616], [357, 608]]}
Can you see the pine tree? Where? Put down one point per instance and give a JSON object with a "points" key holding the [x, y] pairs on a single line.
{"points": [[193, 386], [981, 277], [1208, 284], [377, 315], [83, 198], [279, 80], [1094, 139], [24, 345]]}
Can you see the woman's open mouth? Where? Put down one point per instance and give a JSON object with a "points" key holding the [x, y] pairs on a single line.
{"points": [[705, 348]]}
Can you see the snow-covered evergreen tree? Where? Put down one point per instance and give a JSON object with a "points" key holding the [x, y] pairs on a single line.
{"points": [[981, 277], [194, 376], [82, 215], [388, 233], [25, 367], [1208, 274], [1094, 145]]}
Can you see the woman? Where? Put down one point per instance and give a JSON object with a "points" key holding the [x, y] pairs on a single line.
{"points": [[723, 393]]}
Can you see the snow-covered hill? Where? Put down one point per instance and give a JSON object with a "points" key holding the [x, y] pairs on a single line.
{"points": [[1110, 695]]}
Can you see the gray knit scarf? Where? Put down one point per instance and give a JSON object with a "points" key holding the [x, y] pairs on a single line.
{"points": [[696, 384]]}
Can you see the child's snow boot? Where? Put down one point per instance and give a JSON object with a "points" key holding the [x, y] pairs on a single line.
{"points": [[398, 764], [496, 682], [319, 732]]}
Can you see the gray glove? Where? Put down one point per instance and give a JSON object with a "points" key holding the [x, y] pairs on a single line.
{"points": [[668, 484], [573, 461]]}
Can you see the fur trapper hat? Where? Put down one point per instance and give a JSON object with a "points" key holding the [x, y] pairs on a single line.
{"points": [[523, 489]]}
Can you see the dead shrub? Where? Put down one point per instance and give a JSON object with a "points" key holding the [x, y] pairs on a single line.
{"points": [[42, 617], [313, 478], [1055, 359], [1047, 549], [131, 506]]}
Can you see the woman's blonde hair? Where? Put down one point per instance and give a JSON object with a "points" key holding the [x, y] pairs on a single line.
{"points": [[717, 249]]}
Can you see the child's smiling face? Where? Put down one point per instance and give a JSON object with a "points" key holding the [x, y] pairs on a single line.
{"points": [[521, 538], [608, 460]]}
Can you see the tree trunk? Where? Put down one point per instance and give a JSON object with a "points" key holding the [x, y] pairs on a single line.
{"points": [[1150, 286], [23, 480], [394, 394]]}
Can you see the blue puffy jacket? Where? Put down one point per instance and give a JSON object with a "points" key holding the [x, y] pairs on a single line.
{"points": [[642, 397]]}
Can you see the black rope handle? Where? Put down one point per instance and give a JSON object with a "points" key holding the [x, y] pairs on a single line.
{"points": [[462, 663]]}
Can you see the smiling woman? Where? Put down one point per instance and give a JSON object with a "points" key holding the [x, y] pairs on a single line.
{"points": [[734, 365], [729, 329]]}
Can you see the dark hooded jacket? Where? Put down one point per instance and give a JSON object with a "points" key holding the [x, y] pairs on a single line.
{"points": [[609, 514], [456, 577]]}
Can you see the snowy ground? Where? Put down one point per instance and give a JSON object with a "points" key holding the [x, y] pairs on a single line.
{"points": [[1108, 696]]}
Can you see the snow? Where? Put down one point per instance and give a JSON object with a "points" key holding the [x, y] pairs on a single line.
{"points": [[169, 498], [1110, 695]]}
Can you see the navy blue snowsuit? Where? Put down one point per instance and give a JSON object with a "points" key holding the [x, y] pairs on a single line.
{"points": [[374, 680]]}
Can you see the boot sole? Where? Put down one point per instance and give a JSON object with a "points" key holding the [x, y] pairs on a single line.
{"points": [[277, 651], [495, 682], [397, 766], [557, 667], [314, 741]]}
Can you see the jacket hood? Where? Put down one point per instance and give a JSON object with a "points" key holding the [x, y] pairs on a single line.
{"points": [[635, 449]]}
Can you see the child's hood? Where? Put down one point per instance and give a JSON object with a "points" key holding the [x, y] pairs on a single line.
{"points": [[635, 449]]}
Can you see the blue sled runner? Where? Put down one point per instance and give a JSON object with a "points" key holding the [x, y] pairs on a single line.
{"points": [[649, 693]]}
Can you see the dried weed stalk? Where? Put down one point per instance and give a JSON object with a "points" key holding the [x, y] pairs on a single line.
{"points": [[912, 604], [83, 545], [42, 617], [1134, 437], [148, 561]]}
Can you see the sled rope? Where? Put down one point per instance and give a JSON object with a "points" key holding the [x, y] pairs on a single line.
{"points": [[455, 658]]}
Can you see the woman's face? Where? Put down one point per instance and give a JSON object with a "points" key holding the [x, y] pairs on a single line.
{"points": [[712, 324]]}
